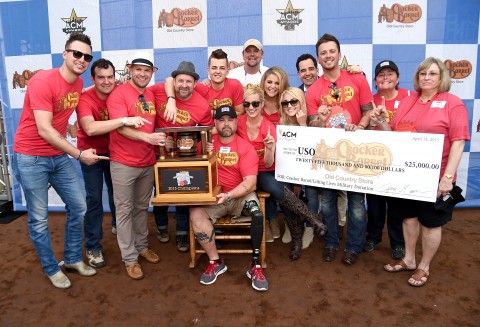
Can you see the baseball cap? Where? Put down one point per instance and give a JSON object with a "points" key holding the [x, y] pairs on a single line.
{"points": [[225, 110], [386, 64], [256, 43], [143, 58]]}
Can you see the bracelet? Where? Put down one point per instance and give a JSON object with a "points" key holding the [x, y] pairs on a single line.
{"points": [[170, 97], [383, 121], [80, 155], [124, 121]]}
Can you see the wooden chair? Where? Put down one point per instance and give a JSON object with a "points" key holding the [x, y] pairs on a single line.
{"points": [[230, 224]]}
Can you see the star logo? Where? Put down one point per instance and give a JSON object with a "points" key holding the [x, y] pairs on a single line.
{"points": [[344, 63], [74, 23], [289, 17]]}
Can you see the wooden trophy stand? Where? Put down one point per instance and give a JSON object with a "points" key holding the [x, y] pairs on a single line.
{"points": [[184, 175]]}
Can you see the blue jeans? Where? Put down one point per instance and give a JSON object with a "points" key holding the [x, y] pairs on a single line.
{"points": [[377, 210], [266, 182], [357, 222], [93, 176], [34, 173], [181, 216]]}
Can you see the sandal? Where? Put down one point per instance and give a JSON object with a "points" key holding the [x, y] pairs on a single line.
{"points": [[398, 265], [419, 278]]}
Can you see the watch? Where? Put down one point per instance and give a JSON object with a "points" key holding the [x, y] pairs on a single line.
{"points": [[448, 176]]}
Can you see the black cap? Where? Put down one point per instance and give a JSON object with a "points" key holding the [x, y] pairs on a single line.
{"points": [[225, 110], [386, 64], [186, 67]]}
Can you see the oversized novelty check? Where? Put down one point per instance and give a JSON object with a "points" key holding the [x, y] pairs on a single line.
{"points": [[403, 165]]}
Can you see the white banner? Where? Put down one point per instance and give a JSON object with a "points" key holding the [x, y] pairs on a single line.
{"points": [[404, 165]]}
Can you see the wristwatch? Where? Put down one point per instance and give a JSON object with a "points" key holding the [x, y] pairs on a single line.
{"points": [[448, 176]]}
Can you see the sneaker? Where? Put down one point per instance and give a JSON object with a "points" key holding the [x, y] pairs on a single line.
{"points": [[287, 237], [212, 270], [268, 233], [163, 236], [307, 238], [259, 282], [275, 228], [150, 256], [95, 259], [398, 253], [183, 244], [114, 230], [369, 246], [134, 271]]}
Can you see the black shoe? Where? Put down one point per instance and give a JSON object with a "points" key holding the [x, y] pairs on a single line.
{"points": [[182, 243], [369, 246], [340, 232], [350, 258], [329, 254], [398, 253]]}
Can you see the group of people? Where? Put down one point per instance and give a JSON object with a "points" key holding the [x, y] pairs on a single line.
{"points": [[117, 144]]}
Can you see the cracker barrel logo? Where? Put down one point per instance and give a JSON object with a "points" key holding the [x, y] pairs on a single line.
{"points": [[183, 116], [69, 101], [366, 159], [458, 69], [180, 17], [217, 103], [21, 80], [227, 159], [403, 14]]}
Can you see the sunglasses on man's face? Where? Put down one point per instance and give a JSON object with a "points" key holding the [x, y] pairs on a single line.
{"points": [[292, 102], [78, 54], [255, 104], [144, 103]]}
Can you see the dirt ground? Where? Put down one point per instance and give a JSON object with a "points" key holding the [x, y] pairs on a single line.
{"points": [[307, 292]]}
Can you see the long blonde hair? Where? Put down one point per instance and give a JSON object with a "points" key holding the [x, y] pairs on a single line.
{"points": [[282, 78], [297, 94]]}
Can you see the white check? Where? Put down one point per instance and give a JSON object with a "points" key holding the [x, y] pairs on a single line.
{"points": [[402, 165]]}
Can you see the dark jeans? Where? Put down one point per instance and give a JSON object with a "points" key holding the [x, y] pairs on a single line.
{"points": [[93, 177], [377, 210], [181, 216]]}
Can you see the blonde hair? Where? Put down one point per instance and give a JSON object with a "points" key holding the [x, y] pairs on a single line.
{"points": [[282, 78], [255, 89], [297, 94], [445, 81]]}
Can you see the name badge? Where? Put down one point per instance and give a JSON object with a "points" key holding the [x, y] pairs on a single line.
{"points": [[438, 104], [397, 103], [224, 149]]}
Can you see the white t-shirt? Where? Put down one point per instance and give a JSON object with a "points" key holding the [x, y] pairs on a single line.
{"points": [[244, 78]]}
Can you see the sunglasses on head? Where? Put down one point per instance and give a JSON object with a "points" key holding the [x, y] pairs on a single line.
{"points": [[78, 54], [255, 104], [335, 94], [292, 102], [144, 103]]}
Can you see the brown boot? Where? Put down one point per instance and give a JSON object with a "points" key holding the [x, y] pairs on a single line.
{"points": [[298, 207], [296, 230]]}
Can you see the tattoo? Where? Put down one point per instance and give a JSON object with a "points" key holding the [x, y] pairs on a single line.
{"points": [[367, 107], [203, 237]]}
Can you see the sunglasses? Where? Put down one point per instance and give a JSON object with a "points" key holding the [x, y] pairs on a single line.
{"points": [[78, 54], [335, 94], [144, 103], [292, 102], [255, 104]]}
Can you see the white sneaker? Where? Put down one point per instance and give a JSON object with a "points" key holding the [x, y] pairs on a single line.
{"points": [[287, 237], [59, 280], [307, 238]]}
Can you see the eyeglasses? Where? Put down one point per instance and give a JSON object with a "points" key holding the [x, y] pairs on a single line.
{"points": [[255, 104], [144, 103], [78, 54], [292, 102], [431, 74], [335, 94]]}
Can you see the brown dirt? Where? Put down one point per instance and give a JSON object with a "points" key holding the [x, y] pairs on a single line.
{"points": [[307, 292]]}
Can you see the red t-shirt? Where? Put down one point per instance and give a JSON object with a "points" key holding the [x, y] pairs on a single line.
{"points": [[91, 105], [124, 102], [258, 142], [192, 112], [273, 118], [236, 160], [353, 92], [392, 104], [230, 95], [445, 114], [47, 91]]}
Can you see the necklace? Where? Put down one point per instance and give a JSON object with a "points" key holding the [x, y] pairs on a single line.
{"points": [[427, 98]]}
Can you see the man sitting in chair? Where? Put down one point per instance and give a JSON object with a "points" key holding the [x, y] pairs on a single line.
{"points": [[237, 174]]}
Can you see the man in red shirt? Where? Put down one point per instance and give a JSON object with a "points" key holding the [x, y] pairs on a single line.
{"points": [[237, 174], [93, 132], [41, 157]]}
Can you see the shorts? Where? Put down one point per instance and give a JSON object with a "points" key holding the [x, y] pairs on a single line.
{"points": [[426, 213], [233, 208]]}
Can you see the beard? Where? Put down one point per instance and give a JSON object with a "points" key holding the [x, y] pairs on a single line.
{"points": [[226, 132]]}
